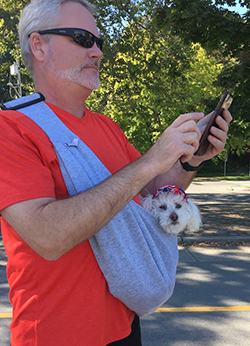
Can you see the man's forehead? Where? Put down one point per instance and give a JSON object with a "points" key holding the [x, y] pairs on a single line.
{"points": [[74, 14]]}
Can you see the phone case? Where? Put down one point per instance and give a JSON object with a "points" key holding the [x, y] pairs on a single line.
{"points": [[224, 103]]}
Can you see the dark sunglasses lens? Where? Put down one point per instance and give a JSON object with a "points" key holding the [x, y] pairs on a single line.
{"points": [[99, 43], [86, 39]]}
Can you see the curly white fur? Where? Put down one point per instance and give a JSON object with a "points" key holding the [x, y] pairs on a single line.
{"points": [[173, 212]]}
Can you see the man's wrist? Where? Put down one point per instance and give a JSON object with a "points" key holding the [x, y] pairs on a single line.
{"points": [[192, 166]]}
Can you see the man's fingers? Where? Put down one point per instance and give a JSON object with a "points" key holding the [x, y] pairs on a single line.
{"points": [[183, 118], [227, 116], [217, 144], [222, 124]]}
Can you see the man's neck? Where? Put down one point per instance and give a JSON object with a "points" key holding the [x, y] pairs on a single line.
{"points": [[77, 108], [72, 102]]}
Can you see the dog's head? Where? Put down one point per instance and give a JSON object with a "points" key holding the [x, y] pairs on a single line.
{"points": [[174, 211]]}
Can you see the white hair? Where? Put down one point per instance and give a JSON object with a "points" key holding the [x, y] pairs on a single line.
{"points": [[39, 15]]}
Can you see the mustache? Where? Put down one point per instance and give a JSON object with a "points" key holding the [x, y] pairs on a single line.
{"points": [[91, 63]]}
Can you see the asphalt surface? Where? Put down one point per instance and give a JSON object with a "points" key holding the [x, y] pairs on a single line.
{"points": [[211, 302], [225, 210], [213, 271]]}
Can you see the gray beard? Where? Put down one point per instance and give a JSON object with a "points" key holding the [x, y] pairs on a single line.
{"points": [[74, 74]]}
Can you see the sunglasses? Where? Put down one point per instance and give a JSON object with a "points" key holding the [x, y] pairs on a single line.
{"points": [[82, 37]]}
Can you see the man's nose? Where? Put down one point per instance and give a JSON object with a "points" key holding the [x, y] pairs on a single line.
{"points": [[95, 52]]}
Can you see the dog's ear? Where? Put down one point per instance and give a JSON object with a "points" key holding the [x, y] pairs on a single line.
{"points": [[195, 221], [146, 202]]}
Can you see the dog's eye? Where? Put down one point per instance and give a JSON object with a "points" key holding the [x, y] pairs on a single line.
{"points": [[164, 207], [178, 206]]}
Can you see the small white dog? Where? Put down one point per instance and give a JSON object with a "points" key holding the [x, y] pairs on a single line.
{"points": [[174, 211]]}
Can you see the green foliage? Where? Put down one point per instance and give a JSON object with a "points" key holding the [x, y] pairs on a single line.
{"points": [[218, 30], [9, 47], [161, 59], [144, 92]]}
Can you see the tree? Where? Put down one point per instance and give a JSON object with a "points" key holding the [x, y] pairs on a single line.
{"points": [[9, 46], [146, 90], [224, 33], [161, 58]]}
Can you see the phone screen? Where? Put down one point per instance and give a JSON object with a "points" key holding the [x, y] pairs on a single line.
{"points": [[224, 103]]}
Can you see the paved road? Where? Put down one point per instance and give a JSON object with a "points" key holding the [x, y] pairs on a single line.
{"points": [[225, 212], [231, 188], [206, 277], [4, 306]]}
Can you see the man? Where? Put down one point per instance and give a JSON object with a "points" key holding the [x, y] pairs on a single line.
{"points": [[57, 290]]}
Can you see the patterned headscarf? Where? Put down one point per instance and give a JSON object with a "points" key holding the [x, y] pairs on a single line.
{"points": [[171, 189]]}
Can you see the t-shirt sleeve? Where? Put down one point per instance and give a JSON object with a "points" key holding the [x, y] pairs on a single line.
{"points": [[23, 174]]}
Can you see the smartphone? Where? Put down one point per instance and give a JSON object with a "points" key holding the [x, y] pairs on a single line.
{"points": [[224, 103]]}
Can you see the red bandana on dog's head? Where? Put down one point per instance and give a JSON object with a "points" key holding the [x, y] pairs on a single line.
{"points": [[173, 189]]}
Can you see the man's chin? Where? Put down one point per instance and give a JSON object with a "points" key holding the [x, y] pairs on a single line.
{"points": [[91, 85]]}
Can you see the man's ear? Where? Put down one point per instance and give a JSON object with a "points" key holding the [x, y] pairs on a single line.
{"points": [[37, 46]]}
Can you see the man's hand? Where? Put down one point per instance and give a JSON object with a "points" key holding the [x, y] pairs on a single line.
{"points": [[180, 138], [217, 137], [185, 135]]}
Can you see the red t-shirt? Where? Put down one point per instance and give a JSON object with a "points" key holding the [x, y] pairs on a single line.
{"points": [[67, 301]]}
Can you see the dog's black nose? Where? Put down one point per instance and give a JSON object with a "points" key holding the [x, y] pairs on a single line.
{"points": [[174, 217]]}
